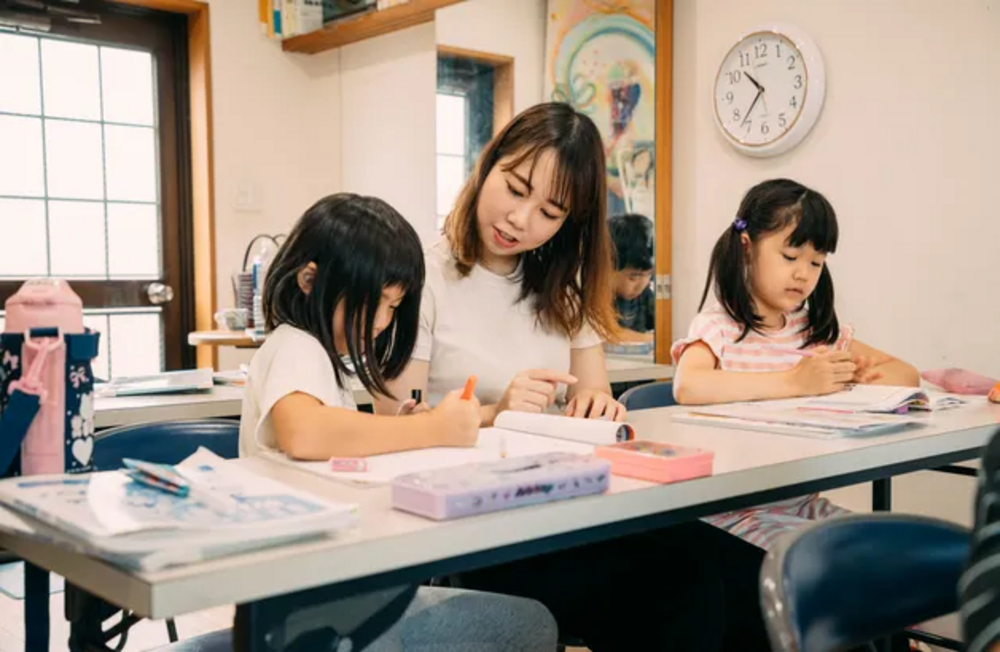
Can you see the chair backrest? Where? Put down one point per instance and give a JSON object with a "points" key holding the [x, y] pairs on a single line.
{"points": [[166, 442], [653, 395], [847, 580]]}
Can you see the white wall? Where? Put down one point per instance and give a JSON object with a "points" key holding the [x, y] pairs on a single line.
{"points": [[906, 150], [515, 28], [276, 126], [387, 135]]}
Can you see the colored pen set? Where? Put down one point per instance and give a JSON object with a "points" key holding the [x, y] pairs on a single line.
{"points": [[158, 476]]}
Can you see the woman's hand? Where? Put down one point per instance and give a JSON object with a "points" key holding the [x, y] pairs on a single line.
{"points": [[593, 404], [533, 390]]}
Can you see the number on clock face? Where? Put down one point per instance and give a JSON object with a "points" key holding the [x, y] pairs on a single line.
{"points": [[761, 88]]}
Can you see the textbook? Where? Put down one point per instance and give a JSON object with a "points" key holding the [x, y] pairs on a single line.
{"points": [[514, 434], [108, 515], [820, 424], [880, 399]]}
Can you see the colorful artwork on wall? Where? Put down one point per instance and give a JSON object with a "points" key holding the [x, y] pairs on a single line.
{"points": [[601, 58]]}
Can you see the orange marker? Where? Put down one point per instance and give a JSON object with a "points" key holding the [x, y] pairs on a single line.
{"points": [[470, 386]]}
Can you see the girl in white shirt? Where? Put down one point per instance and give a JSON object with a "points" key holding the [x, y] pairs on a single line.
{"points": [[519, 292], [347, 283]]}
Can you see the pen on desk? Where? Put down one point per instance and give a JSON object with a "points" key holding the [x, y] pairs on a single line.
{"points": [[470, 387]]}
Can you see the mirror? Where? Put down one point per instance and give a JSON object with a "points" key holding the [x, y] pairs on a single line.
{"points": [[498, 57]]}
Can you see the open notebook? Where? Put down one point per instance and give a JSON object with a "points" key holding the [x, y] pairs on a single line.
{"points": [[861, 410], [515, 434], [886, 399]]}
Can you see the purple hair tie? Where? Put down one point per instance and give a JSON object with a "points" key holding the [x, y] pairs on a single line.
{"points": [[740, 224]]}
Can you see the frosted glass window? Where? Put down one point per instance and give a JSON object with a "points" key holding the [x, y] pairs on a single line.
{"points": [[70, 80], [73, 160], [76, 238], [22, 231], [22, 170], [133, 241], [127, 86], [136, 344], [20, 84]]}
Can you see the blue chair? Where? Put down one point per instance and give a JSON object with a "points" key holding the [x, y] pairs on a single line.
{"points": [[165, 442], [645, 397], [842, 582]]}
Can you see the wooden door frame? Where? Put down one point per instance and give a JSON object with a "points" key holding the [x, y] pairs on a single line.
{"points": [[664, 176], [202, 168]]}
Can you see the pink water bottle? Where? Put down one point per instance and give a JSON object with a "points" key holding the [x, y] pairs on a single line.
{"points": [[44, 310]]}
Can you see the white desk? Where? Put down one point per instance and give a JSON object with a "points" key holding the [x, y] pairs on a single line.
{"points": [[634, 369], [391, 548], [220, 402], [225, 402]]}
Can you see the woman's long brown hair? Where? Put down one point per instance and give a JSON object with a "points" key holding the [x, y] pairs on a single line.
{"points": [[569, 278]]}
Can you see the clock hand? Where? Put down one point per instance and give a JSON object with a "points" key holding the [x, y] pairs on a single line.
{"points": [[752, 104], [753, 81]]}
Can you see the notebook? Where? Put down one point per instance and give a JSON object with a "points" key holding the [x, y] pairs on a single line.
{"points": [[821, 424], [168, 382], [107, 515], [884, 399], [515, 434]]}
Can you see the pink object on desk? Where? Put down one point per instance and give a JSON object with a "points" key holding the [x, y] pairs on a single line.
{"points": [[655, 461], [358, 464], [959, 381]]}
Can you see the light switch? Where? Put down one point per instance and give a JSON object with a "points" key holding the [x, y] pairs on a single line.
{"points": [[247, 197]]}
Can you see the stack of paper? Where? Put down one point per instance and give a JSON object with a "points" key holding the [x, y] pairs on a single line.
{"points": [[108, 515]]}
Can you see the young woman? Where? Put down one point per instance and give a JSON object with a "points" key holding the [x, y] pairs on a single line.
{"points": [[519, 293]]}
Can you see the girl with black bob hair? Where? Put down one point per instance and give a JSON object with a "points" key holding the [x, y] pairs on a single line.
{"points": [[347, 283]]}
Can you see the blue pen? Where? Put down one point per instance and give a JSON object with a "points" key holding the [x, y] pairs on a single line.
{"points": [[158, 476], [170, 480]]}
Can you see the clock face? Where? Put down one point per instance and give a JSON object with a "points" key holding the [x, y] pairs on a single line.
{"points": [[761, 91]]}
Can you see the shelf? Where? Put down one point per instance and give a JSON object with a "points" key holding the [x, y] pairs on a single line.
{"points": [[366, 26]]}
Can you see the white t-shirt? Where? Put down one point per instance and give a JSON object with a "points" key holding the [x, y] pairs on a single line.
{"points": [[290, 361], [475, 325]]}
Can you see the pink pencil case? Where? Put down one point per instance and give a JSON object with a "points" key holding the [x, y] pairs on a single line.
{"points": [[471, 489], [655, 461]]}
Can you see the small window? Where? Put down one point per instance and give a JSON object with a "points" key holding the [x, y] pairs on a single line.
{"points": [[468, 99]]}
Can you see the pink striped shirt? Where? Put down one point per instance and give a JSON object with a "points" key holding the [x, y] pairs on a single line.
{"points": [[760, 352], [757, 351]]}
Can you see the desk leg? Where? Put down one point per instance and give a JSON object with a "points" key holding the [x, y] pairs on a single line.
{"points": [[882, 502], [86, 615], [36, 607], [882, 495], [318, 619]]}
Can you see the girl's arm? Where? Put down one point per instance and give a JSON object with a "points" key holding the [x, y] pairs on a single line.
{"points": [[878, 368], [415, 377], [308, 430], [699, 381], [590, 396]]}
